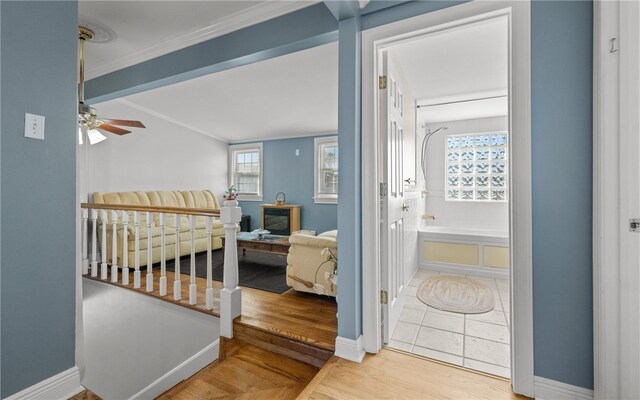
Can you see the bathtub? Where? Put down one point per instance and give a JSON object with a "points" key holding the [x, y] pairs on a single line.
{"points": [[464, 251]]}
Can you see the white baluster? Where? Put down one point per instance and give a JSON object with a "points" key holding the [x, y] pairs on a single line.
{"points": [[149, 255], [94, 245], [85, 241], [193, 288], [209, 290], [103, 249], [136, 272], [114, 247], [163, 256], [230, 295], [177, 286], [125, 248]]}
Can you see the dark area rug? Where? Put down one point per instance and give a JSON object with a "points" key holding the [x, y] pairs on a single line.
{"points": [[257, 270]]}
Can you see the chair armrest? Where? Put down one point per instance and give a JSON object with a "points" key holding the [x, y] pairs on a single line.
{"points": [[313, 241]]}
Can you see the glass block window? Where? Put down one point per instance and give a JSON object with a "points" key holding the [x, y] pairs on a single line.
{"points": [[476, 167], [246, 170]]}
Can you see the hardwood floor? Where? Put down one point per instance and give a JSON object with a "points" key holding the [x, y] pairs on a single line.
{"points": [[397, 375], [246, 372], [303, 317], [85, 395]]}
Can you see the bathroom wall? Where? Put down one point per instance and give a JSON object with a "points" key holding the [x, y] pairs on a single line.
{"points": [[470, 214]]}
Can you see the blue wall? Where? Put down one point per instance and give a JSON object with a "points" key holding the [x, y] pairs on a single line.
{"points": [[561, 82], [561, 149], [293, 175], [38, 268]]}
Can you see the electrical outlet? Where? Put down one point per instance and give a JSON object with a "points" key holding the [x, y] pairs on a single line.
{"points": [[34, 126], [297, 152]]}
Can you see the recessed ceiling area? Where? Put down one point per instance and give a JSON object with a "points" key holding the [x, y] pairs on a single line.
{"points": [[148, 29], [458, 64], [288, 96]]}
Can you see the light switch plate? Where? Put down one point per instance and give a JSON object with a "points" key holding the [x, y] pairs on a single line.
{"points": [[34, 126]]}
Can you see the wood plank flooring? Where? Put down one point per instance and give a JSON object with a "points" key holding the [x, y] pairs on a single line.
{"points": [[303, 317], [396, 375], [246, 372]]}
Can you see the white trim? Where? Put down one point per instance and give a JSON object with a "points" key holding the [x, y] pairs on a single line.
{"points": [[349, 349], [183, 371], [606, 189], [481, 272], [547, 389], [169, 119], [61, 386], [282, 137], [319, 198], [247, 146], [520, 137], [250, 16]]}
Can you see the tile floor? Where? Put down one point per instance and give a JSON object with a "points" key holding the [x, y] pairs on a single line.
{"points": [[475, 341]]}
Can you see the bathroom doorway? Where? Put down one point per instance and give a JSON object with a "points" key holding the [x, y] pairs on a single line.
{"points": [[455, 80]]}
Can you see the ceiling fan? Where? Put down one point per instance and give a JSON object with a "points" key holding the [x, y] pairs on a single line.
{"points": [[87, 115]]}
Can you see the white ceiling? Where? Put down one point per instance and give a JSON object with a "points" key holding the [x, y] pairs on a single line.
{"points": [[458, 64], [288, 96], [148, 29], [293, 95]]}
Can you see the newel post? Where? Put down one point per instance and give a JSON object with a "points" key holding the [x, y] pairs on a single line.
{"points": [[230, 295]]}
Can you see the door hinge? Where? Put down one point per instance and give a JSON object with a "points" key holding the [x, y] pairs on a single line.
{"points": [[383, 189], [384, 297], [382, 82], [634, 225]]}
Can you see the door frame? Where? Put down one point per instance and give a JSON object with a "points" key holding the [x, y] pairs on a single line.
{"points": [[520, 194], [614, 375]]}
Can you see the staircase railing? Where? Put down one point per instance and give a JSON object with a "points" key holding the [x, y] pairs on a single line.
{"points": [[129, 220]]}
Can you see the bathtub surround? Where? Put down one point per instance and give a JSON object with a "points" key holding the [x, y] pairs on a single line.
{"points": [[487, 215], [464, 251]]}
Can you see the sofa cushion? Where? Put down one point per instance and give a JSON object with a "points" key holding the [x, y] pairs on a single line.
{"points": [[333, 234]]}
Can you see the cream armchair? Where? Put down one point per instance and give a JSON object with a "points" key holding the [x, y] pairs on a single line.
{"points": [[305, 266]]}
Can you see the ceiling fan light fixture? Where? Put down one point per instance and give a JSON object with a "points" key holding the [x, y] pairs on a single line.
{"points": [[95, 136]]}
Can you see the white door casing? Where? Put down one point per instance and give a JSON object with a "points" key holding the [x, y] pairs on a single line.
{"points": [[391, 114], [616, 250], [373, 41]]}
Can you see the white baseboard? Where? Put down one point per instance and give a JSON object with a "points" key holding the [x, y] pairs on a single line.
{"points": [[482, 272], [183, 371], [547, 389], [60, 386], [349, 349]]}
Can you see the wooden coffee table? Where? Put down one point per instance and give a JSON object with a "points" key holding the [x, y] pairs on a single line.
{"points": [[270, 244]]}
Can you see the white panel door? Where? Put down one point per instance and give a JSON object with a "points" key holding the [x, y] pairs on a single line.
{"points": [[392, 279]]}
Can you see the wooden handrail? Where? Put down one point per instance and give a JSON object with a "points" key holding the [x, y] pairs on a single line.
{"points": [[205, 212]]}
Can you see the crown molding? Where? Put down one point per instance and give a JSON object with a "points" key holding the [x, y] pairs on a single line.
{"points": [[253, 15], [169, 119]]}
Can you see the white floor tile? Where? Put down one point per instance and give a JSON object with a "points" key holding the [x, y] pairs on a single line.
{"points": [[395, 344], [405, 332], [415, 282], [443, 321], [410, 290], [437, 355], [493, 317], [488, 368], [503, 285], [415, 303], [412, 315], [440, 340], [487, 331], [486, 351], [451, 314]]}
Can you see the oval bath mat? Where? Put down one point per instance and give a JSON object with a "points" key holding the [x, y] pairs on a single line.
{"points": [[456, 294]]}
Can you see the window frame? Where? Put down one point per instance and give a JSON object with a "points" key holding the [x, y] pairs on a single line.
{"points": [[506, 174], [318, 143], [246, 147]]}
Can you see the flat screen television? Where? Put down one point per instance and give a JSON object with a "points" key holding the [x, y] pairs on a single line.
{"points": [[277, 221]]}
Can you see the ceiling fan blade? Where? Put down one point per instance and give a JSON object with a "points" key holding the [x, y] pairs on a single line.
{"points": [[113, 129], [124, 122]]}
